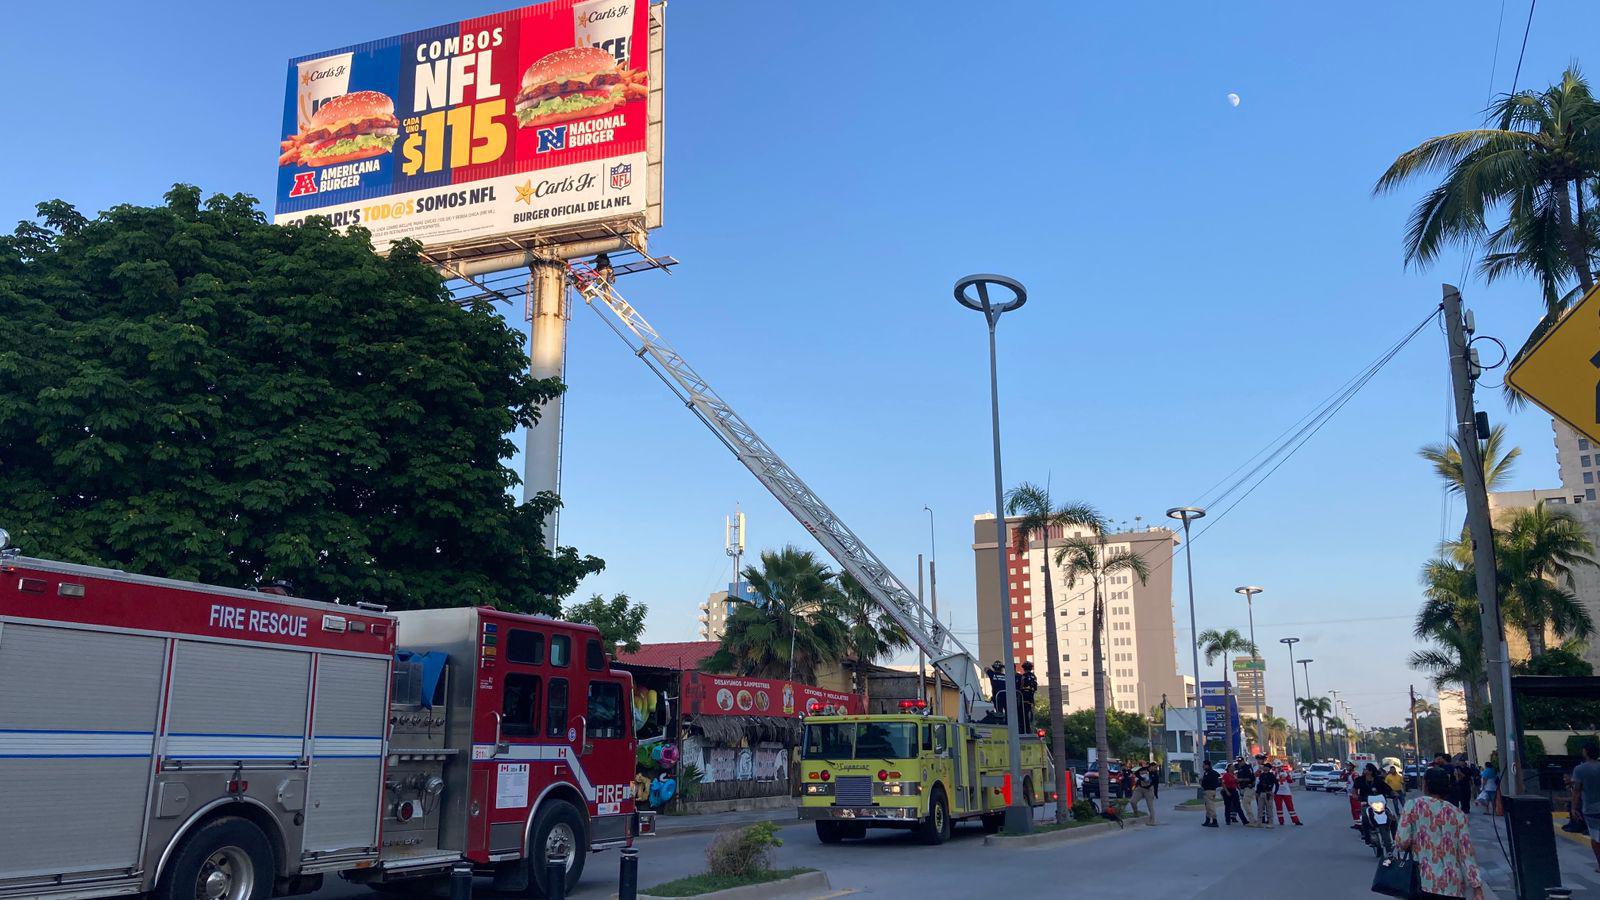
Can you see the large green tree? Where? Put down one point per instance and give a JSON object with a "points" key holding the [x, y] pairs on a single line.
{"points": [[1038, 515], [186, 390], [869, 633], [620, 620]]}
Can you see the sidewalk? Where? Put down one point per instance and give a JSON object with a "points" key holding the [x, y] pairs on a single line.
{"points": [[670, 826], [1572, 855]]}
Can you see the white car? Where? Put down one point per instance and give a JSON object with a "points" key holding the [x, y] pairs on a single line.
{"points": [[1318, 775]]}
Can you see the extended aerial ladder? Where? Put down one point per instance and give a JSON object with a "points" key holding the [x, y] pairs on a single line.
{"points": [[947, 652]]}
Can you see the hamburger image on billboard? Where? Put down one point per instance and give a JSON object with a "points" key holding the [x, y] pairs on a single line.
{"points": [[353, 126], [575, 83]]}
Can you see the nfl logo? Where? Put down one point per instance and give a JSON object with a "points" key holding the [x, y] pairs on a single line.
{"points": [[621, 176]]}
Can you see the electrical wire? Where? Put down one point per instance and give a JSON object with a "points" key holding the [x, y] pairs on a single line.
{"points": [[1520, 53]]}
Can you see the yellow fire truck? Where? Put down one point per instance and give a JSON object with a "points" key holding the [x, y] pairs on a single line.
{"points": [[913, 771], [906, 770]]}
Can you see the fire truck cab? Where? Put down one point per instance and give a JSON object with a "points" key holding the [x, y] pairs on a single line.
{"points": [[194, 741]]}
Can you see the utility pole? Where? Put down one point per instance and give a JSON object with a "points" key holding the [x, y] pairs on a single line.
{"points": [[1464, 371], [1416, 741]]}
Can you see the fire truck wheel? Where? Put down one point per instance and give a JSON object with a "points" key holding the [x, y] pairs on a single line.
{"points": [[558, 830], [224, 859], [935, 828], [829, 832]]}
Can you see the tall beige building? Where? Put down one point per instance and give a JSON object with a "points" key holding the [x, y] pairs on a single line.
{"points": [[1579, 462], [1141, 660], [716, 609]]}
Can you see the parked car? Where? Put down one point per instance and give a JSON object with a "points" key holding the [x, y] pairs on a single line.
{"points": [[1339, 783], [1412, 773], [1318, 774]]}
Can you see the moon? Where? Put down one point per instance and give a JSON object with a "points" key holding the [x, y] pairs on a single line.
{"points": [[1233, 99]]}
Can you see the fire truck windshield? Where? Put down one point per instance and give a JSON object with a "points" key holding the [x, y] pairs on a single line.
{"points": [[861, 740]]}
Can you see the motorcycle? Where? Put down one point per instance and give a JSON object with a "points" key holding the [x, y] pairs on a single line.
{"points": [[1378, 825]]}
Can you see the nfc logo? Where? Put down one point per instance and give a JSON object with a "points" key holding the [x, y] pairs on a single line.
{"points": [[552, 139]]}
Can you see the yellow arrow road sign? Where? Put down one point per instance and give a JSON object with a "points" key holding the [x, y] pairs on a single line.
{"points": [[1562, 372]]}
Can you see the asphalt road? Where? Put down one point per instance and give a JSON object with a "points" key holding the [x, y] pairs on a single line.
{"points": [[1322, 860]]}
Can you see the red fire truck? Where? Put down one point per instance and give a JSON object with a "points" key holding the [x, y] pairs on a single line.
{"points": [[203, 742]]}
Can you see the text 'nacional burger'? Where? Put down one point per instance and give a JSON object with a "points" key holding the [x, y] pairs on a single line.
{"points": [[349, 127], [574, 83]]}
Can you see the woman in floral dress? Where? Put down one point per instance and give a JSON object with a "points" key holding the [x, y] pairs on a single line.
{"points": [[1434, 831]]}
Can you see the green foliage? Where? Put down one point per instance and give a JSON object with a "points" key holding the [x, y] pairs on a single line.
{"points": [[1126, 733], [1576, 743], [743, 852], [1556, 712], [1533, 752], [1083, 810], [689, 777], [621, 621], [186, 390], [797, 592]]}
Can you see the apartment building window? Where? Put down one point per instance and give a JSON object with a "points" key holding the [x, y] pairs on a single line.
{"points": [[1583, 443], [1588, 477], [1584, 460], [1589, 494]]}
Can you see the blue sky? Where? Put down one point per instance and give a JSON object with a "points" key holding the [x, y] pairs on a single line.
{"points": [[1201, 275]]}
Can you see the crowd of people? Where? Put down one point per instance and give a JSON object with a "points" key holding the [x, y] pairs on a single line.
{"points": [[1262, 786]]}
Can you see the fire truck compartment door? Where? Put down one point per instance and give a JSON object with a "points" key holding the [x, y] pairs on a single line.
{"points": [[347, 753], [78, 716]]}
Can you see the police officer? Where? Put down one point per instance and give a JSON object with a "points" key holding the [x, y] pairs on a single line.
{"points": [[1027, 688], [997, 690]]}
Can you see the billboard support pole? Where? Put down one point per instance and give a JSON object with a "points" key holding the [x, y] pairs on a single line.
{"points": [[547, 317]]}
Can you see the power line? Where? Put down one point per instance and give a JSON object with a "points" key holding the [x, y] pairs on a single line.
{"points": [[1525, 29]]}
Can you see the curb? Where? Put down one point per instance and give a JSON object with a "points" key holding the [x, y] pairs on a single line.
{"points": [[703, 827], [1060, 836], [804, 885]]}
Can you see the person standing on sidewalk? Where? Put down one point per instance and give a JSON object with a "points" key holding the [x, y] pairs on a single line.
{"points": [[1587, 777], [1231, 806], [1283, 799], [1144, 782], [1209, 783], [1434, 831], [1266, 785]]}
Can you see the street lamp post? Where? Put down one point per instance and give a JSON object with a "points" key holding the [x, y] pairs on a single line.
{"points": [[1018, 818], [1188, 514], [1250, 591], [933, 594], [1294, 689], [1305, 669]]}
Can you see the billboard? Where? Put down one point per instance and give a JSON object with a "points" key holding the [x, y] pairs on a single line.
{"points": [[524, 122], [733, 695]]}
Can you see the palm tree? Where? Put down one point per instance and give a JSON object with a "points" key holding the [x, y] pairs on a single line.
{"points": [[1532, 162], [1308, 712], [1536, 554], [1446, 459], [1449, 619], [1337, 724], [787, 632], [1038, 515], [1214, 643], [1321, 708], [1086, 557], [1278, 731], [869, 633]]}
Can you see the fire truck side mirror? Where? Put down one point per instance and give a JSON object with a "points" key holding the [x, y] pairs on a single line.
{"points": [[6, 550]]}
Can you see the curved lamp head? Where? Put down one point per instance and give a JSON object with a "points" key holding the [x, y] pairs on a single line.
{"points": [[1186, 513], [1248, 590], [1304, 661], [991, 308], [1290, 641]]}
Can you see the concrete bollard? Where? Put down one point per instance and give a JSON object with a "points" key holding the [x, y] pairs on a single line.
{"points": [[628, 881], [555, 878], [461, 881]]}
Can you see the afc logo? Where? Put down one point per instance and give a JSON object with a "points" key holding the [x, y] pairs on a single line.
{"points": [[304, 183], [621, 176], [552, 139]]}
